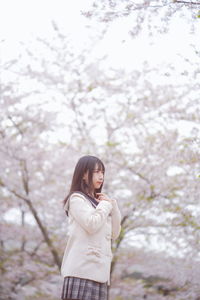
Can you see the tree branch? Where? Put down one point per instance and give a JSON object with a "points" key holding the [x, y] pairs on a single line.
{"points": [[187, 2], [39, 223]]}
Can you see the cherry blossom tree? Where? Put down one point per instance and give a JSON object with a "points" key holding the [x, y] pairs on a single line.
{"points": [[64, 105]]}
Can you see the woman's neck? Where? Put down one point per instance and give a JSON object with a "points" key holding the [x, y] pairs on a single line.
{"points": [[91, 193]]}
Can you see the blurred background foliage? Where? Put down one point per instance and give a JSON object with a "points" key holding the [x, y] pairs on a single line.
{"points": [[59, 103]]}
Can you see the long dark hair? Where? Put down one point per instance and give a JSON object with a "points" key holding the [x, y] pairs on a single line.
{"points": [[85, 164]]}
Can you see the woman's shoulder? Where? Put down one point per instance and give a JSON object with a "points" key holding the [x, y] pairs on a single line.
{"points": [[77, 195], [74, 197]]}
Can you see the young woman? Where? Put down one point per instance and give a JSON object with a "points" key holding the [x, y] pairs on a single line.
{"points": [[94, 219]]}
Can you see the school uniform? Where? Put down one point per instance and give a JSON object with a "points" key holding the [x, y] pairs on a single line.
{"points": [[87, 257]]}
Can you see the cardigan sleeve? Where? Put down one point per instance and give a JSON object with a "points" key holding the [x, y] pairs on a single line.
{"points": [[116, 220], [91, 220]]}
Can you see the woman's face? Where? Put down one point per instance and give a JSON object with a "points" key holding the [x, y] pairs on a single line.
{"points": [[97, 178]]}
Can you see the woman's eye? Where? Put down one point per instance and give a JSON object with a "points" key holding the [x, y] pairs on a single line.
{"points": [[98, 171]]}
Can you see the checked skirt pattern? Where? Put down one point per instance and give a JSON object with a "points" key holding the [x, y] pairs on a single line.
{"points": [[83, 289]]}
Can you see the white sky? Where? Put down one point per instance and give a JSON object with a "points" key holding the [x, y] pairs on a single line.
{"points": [[23, 21]]}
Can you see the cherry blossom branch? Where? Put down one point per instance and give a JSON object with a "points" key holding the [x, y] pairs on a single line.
{"points": [[38, 221], [187, 2]]}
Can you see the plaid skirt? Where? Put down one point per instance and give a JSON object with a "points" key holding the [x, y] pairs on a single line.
{"points": [[83, 289]]}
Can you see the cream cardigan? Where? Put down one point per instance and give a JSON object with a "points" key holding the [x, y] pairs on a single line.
{"points": [[88, 251]]}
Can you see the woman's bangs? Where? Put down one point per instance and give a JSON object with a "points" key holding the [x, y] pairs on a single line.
{"points": [[100, 166]]}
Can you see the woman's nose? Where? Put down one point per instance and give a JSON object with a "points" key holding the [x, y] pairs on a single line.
{"points": [[101, 176]]}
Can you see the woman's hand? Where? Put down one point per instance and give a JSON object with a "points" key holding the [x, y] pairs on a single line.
{"points": [[102, 196]]}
